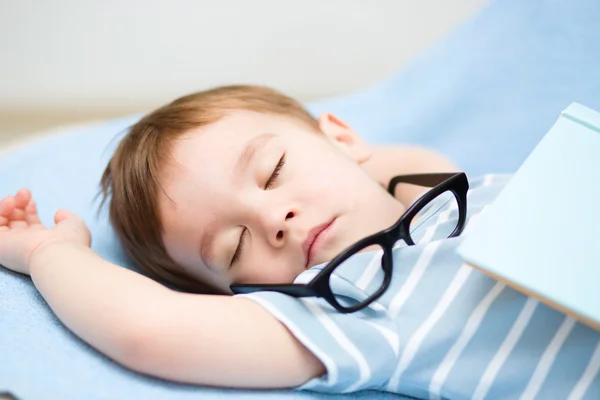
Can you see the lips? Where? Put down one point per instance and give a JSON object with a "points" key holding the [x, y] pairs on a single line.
{"points": [[308, 246]]}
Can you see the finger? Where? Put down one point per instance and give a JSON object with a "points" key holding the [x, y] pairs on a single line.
{"points": [[63, 214], [12, 224], [31, 213], [7, 205], [16, 219], [17, 214], [22, 198], [5, 210]]}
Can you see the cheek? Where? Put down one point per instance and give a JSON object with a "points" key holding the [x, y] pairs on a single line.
{"points": [[333, 172], [266, 270], [176, 248]]}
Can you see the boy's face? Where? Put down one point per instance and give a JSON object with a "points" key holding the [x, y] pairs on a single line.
{"points": [[259, 198]]}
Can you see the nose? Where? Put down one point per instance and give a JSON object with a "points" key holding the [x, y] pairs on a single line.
{"points": [[275, 223]]}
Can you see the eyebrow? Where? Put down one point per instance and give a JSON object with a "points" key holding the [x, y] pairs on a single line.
{"points": [[244, 160], [252, 147]]}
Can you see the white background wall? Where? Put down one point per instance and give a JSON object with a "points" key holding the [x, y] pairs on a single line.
{"points": [[72, 55]]}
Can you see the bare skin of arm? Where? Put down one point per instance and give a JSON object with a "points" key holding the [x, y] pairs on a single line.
{"points": [[198, 339], [201, 339]]}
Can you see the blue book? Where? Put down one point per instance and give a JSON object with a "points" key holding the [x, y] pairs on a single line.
{"points": [[542, 233]]}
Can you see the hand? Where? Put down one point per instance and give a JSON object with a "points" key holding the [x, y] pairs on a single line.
{"points": [[22, 233]]}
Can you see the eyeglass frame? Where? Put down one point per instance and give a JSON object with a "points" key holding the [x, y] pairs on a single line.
{"points": [[456, 183]]}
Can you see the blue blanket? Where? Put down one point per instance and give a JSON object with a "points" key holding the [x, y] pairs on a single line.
{"points": [[484, 95]]}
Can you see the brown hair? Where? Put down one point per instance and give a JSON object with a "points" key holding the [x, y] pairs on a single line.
{"points": [[132, 176]]}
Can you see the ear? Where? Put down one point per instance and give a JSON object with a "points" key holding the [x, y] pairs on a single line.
{"points": [[344, 137]]}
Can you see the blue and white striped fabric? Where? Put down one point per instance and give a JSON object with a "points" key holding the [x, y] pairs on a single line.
{"points": [[442, 329]]}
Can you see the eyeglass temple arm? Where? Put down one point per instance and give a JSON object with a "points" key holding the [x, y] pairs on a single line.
{"points": [[294, 290], [427, 180]]}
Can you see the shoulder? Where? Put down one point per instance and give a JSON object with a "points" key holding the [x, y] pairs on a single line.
{"points": [[388, 161]]}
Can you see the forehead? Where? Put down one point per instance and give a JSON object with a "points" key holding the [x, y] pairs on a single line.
{"points": [[204, 156], [244, 123], [212, 149]]}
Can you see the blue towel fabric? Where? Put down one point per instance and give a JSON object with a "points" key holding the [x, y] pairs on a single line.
{"points": [[484, 95]]}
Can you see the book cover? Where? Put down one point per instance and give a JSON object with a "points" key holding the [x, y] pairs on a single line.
{"points": [[542, 233]]}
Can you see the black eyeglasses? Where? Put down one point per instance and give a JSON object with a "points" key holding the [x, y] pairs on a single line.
{"points": [[449, 191]]}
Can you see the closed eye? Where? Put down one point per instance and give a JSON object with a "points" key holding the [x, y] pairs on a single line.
{"points": [[268, 185], [275, 173], [239, 248]]}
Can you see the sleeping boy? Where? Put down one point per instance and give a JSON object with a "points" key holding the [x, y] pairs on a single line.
{"points": [[240, 187]]}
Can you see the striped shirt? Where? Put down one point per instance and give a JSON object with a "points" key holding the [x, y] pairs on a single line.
{"points": [[442, 329]]}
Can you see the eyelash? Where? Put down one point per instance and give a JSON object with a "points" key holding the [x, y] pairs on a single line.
{"points": [[238, 250], [276, 172], [268, 185]]}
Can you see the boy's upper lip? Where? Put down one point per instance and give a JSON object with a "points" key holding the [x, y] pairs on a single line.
{"points": [[310, 239]]}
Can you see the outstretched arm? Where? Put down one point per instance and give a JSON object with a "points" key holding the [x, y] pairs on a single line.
{"points": [[201, 339]]}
